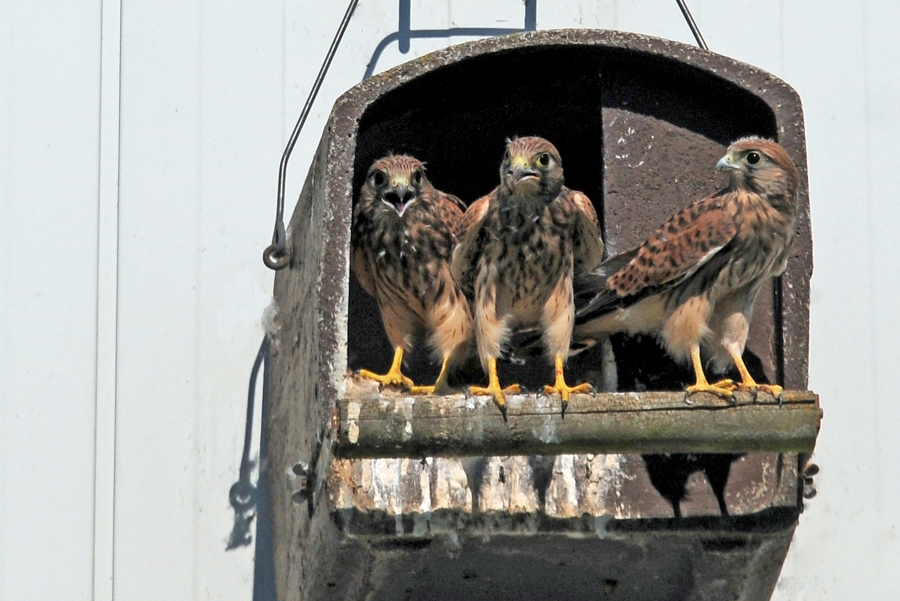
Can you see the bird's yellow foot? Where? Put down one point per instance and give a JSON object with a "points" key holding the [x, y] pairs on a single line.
{"points": [[440, 385], [774, 389], [703, 384], [436, 389], [564, 390], [493, 388], [752, 387], [391, 378], [498, 393], [715, 389], [394, 377], [747, 383]]}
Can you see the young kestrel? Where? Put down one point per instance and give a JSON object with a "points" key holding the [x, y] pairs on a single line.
{"points": [[519, 248], [694, 281], [403, 238]]}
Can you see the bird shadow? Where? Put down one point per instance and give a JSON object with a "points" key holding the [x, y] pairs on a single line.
{"points": [[642, 364]]}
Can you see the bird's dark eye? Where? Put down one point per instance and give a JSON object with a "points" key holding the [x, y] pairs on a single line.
{"points": [[753, 158], [379, 178], [543, 159], [416, 178]]}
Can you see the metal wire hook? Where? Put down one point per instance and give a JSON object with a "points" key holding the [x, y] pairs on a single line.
{"points": [[278, 255]]}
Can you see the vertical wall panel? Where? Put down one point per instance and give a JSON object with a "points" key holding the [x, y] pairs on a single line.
{"points": [[49, 94], [107, 303], [156, 537], [882, 50], [240, 146], [201, 138], [834, 553]]}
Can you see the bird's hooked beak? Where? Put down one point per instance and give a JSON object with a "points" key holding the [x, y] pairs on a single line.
{"points": [[520, 171], [726, 163], [399, 196]]}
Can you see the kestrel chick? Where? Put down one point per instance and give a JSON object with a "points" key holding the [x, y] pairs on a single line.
{"points": [[402, 241], [694, 281], [519, 248]]}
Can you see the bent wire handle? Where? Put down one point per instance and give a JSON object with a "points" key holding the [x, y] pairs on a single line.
{"points": [[277, 255]]}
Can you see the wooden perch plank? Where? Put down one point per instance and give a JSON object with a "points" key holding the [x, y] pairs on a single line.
{"points": [[373, 425]]}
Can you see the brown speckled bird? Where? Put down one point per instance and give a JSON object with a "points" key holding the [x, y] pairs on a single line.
{"points": [[403, 238], [694, 281], [519, 248]]}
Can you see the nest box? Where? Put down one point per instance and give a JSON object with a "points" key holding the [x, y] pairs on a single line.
{"points": [[635, 494]]}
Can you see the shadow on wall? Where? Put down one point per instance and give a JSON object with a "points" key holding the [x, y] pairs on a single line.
{"points": [[404, 34]]}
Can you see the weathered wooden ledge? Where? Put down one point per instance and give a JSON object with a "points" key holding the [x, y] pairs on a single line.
{"points": [[395, 425]]}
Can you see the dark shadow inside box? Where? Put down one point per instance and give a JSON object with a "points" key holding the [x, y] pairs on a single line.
{"points": [[457, 118]]}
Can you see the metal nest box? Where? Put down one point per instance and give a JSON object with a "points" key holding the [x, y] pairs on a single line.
{"points": [[439, 498]]}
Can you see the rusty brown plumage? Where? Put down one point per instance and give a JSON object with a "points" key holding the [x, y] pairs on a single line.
{"points": [[519, 248], [694, 281], [402, 241]]}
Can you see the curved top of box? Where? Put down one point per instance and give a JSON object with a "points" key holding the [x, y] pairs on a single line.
{"points": [[558, 65]]}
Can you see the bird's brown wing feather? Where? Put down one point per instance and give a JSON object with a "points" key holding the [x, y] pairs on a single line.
{"points": [[455, 200], [679, 247], [360, 268], [468, 236], [450, 210], [588, 243]]}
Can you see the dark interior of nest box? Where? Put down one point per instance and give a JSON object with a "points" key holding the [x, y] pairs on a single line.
{"points": [[639, 134]]}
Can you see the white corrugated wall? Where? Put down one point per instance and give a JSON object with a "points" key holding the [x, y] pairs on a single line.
{"points": [[139, 145]]}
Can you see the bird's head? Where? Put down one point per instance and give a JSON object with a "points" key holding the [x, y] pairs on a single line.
{"points": [[397, 182], [763, 167], [531, 167]]}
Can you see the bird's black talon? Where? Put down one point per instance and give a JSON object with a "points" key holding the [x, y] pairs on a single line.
{"points": [[503, 412], [565, 405], [780, 399], [755, 394]]}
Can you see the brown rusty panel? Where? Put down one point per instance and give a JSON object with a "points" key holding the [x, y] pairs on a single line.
{"points": [[652, 169]]}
